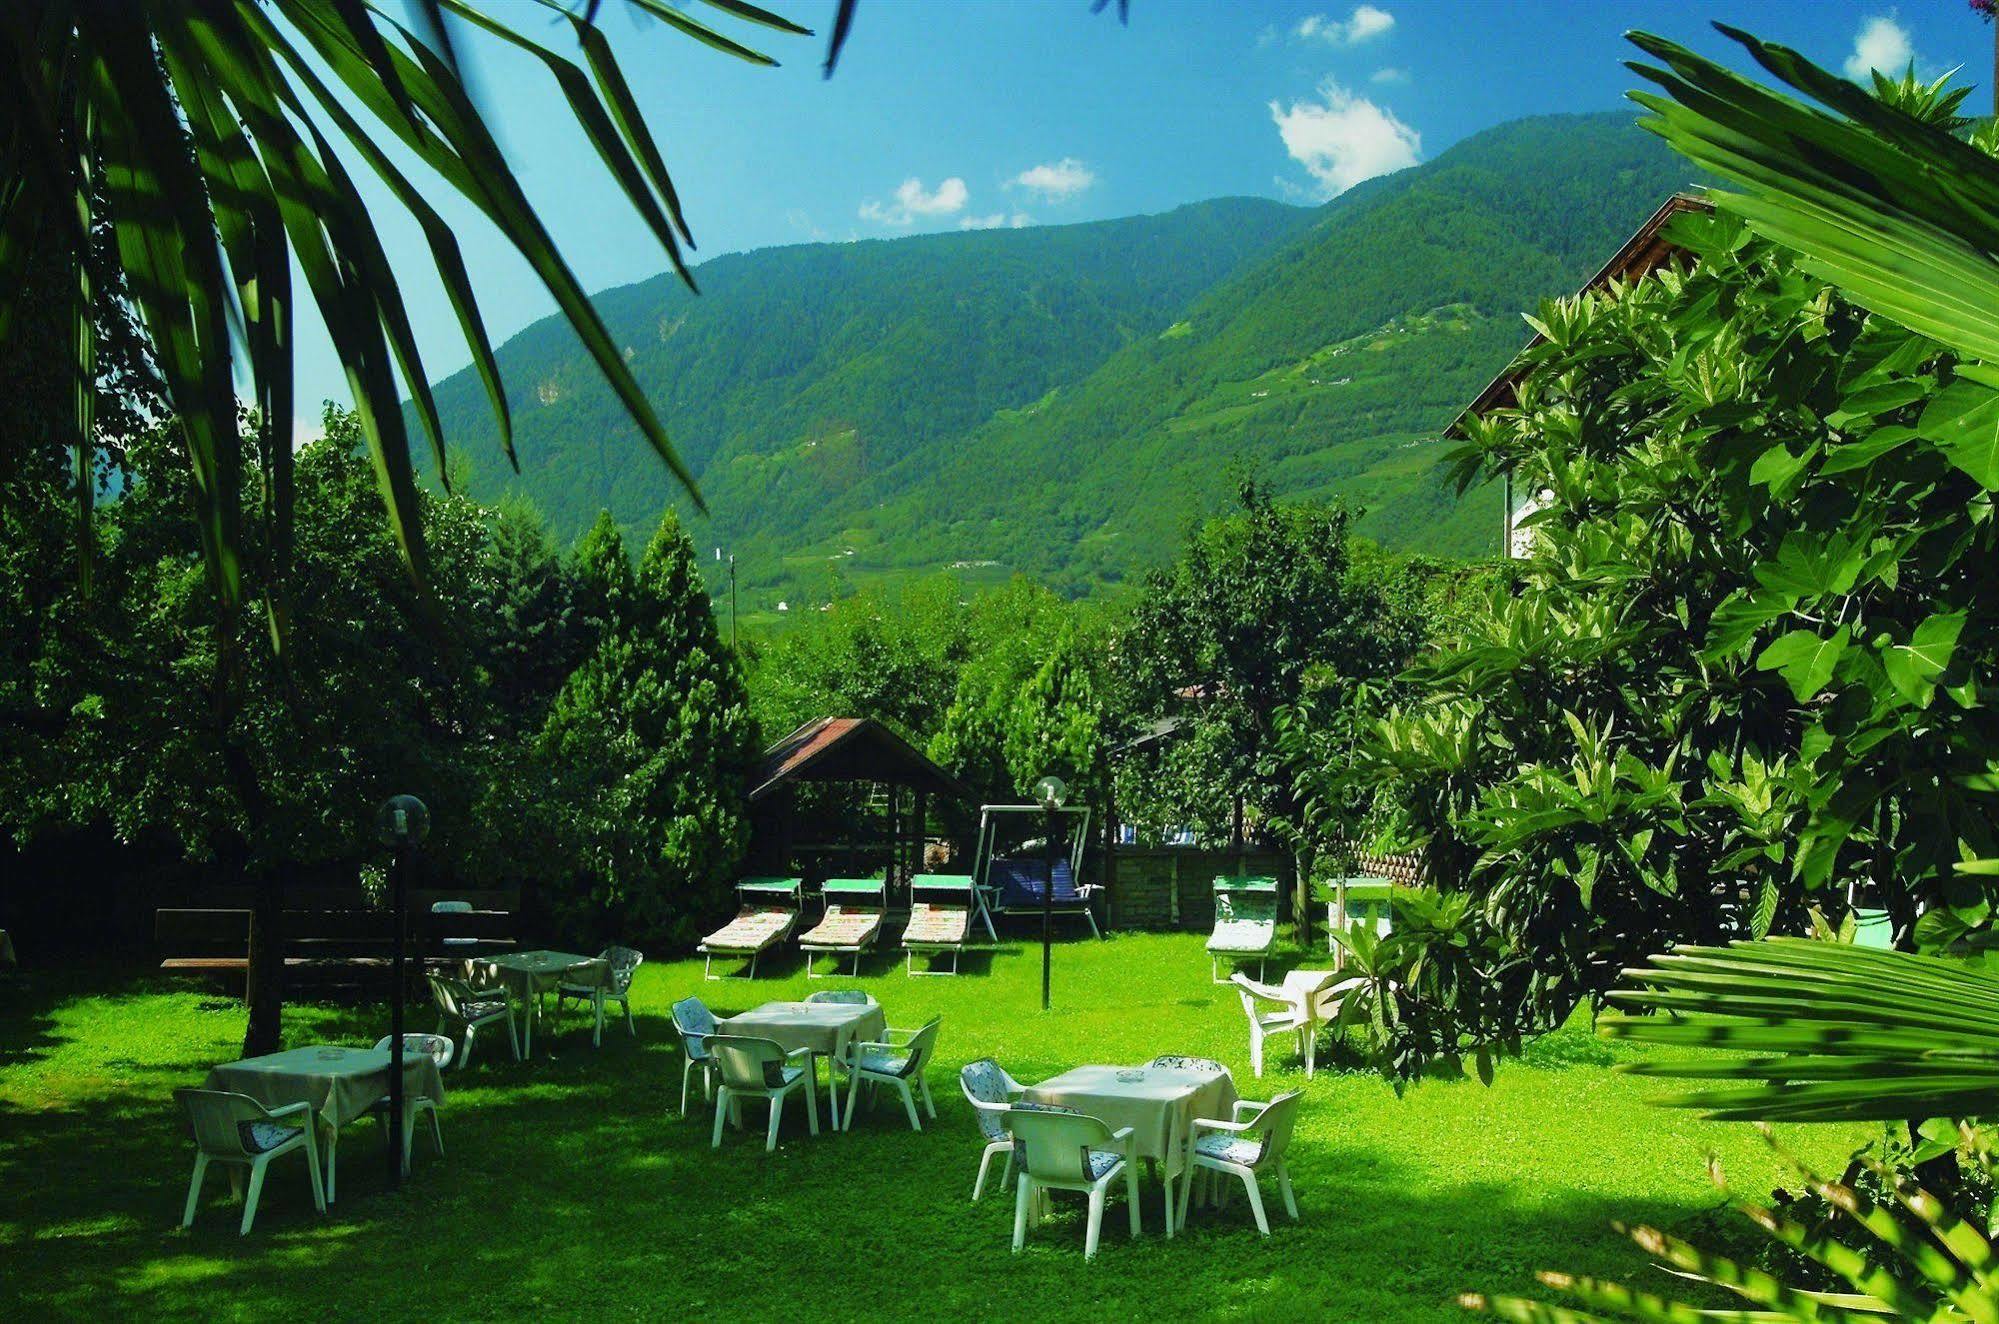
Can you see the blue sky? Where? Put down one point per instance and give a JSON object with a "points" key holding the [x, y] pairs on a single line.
{"points": [[945, 115]]}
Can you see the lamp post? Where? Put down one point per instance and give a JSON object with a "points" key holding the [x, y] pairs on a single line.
{"points": [[732, 596], [401, 823], [1050, 791]]}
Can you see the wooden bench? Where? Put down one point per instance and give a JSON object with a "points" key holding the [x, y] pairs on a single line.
{"points": [[333, 936]]}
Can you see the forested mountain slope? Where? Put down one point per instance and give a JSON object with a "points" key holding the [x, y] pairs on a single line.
{"points": [[1062, 400]]}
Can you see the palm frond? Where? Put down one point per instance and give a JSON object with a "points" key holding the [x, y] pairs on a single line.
{"points": [[1898, 213], [1833, 1032], [205, 128]]}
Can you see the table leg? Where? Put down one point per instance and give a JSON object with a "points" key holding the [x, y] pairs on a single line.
{"points": [[1168, 1183]]}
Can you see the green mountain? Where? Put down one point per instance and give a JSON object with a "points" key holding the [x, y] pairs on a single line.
{"points": [[1064, 400]]}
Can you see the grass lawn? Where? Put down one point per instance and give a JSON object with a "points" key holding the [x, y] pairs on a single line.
{"points": [[572, 1188]]}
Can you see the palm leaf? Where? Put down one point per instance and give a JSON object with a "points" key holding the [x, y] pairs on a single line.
{"points": [[203, 126], [1899, 214], [1835, 1032]]}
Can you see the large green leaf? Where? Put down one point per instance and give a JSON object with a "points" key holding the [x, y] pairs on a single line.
{"points": [[1834, 1032], [203, 126], [1899, 214], [1805, 658]]}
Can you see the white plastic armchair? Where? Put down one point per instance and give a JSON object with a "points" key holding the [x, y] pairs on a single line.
{"points": [[1253, 1140], [607, 979], [460, 1004], [439, 1049], [1058, 1149], [991, 1092], [239, 1132], [1270, 1011], [760, 1069], [894, 1061], [696, 1025]]}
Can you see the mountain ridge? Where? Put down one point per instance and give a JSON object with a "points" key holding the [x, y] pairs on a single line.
{"points": [[1065, 399]]}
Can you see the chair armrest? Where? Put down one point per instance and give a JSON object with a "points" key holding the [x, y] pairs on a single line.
{"points": [[1242, 1105], [1121, 1140], [799, 1052], [854, 1044], [1215, 1124], [892, 1031], [500, 991], [288, 1109]]}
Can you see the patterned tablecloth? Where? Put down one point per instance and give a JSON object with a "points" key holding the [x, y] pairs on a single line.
{"points": [[340, 1083]]}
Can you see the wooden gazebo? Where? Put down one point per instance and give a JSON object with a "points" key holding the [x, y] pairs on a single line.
{"points": [[890, 832]]}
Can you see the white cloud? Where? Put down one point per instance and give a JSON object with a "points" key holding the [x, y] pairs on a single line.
{"points": [[1055, 181], [1344, 139], [997, 221], [912, 202], [1389, 75], [1882, 44], [1366, 22]]}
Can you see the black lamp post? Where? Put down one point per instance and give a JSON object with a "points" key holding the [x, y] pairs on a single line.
{"points": [[402, 823], [1050, 791]]}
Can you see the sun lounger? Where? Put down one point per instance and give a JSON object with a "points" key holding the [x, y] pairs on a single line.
{"points": [[1245, 922], [769, 913], [940, 918], [855, 908]]}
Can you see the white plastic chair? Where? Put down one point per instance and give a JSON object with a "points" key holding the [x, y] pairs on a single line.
{"points": [[1242, 1149], [440, 1049], [236, 1130], [887, 1062], [760, 1069], [991, 1092], [469, 1008], [454, 908], [1059, 1149], [1263, 1023], [695, 1024], [610, 983]]}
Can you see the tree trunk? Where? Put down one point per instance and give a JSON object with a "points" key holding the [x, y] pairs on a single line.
{"points": [[263, 988], [265, 991]]}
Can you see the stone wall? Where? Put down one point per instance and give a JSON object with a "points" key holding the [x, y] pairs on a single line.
{"points": [[1172, 887]]}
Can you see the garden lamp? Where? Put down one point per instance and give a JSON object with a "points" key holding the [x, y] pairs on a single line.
{"points": [[1050, 791], [401, 823]]}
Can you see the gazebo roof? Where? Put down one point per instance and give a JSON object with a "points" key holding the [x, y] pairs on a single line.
{"points": [[849, 749]]}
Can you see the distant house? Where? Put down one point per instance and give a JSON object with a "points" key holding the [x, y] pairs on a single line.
{"points": [[1644, 252]]}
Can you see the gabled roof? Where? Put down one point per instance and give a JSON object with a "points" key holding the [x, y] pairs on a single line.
{"points": [[840, 749], [1643, 253]]}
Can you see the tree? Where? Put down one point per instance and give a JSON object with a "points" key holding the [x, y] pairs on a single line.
{"points": [[1029, 697], [198, 135], [1740, 674], [645, 751], [1262, 606], [536, 617], [893, 657]]}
